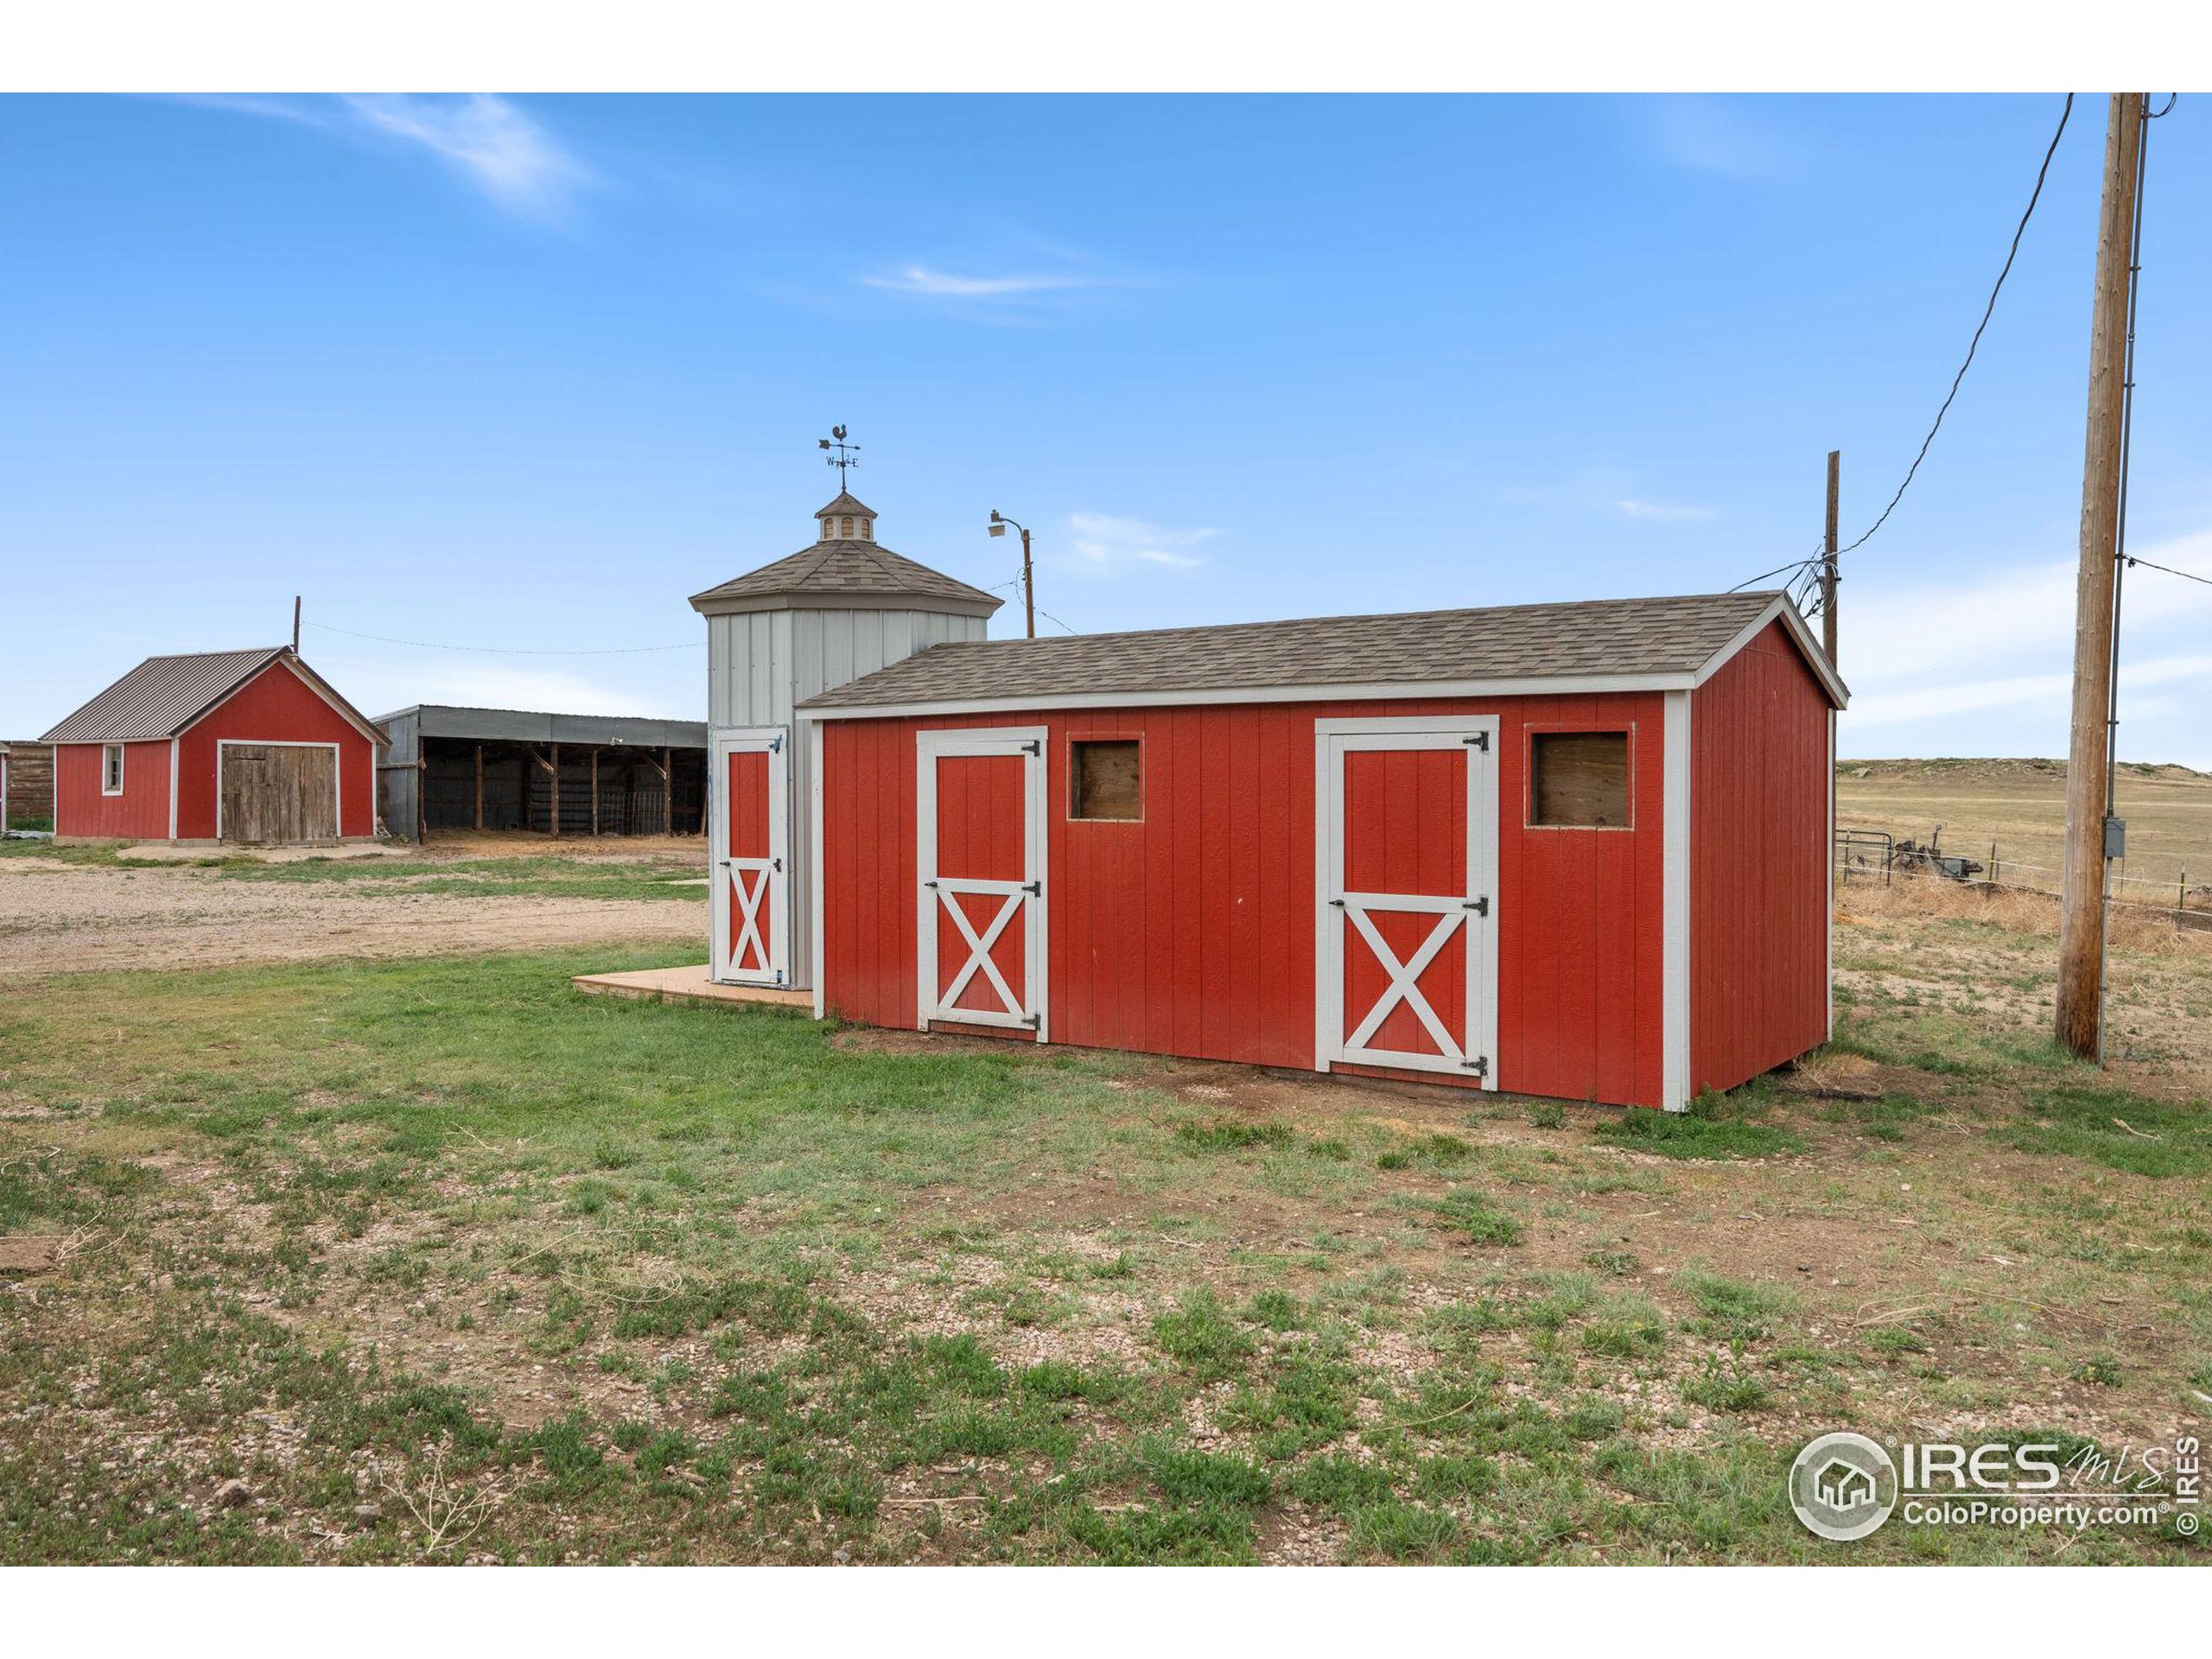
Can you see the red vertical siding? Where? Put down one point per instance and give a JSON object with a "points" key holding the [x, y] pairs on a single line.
{"points": [[1758, 864], [1191, 932], [276, 706], [140, 813]]}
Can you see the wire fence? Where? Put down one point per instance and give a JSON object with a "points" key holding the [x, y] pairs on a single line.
{"points": [[1877, 856]]}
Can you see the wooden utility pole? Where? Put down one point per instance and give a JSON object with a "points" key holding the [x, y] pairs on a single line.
{"points": [[1828, 570], [2081, 930], [1028, 586], [295, 625]]}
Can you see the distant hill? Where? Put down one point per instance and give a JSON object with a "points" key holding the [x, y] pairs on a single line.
{"points": [[1996, 769]]}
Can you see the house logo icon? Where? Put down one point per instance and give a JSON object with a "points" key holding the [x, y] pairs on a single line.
{"points": [[1843, 1486]]}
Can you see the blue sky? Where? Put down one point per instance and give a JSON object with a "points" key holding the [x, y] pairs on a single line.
{"points": [[525, 372]]}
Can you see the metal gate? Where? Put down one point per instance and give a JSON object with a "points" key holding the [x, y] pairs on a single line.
{"points": [[752, 882], [1406, 941], [980, 829]]}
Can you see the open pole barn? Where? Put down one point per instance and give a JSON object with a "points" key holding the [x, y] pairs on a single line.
{"points": [[458, 768], [248, 746], [1575, 850]]}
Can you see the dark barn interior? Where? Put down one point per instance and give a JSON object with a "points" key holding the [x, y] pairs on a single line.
{"points": [[504, 769]]}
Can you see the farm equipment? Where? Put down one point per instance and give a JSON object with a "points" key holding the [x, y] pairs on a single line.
{"points": [[1930, 860]]}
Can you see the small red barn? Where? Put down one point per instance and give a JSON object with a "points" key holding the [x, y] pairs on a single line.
{"points": [[235, 746], [1576, 850]]}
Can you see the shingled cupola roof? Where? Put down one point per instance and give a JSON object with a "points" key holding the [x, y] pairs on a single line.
{"points": [[846, 568]]}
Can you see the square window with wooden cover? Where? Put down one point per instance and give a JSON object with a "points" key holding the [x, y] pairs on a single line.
{"points": [[1106, 780], [1579, 780]]}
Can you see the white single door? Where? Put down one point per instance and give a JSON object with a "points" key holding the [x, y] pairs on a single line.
{"points": [[751, 880], [1406, 942], [980, 829]]}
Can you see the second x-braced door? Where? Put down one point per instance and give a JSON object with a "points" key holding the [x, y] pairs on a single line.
{"points": [[1406, 931], [980, 829]]}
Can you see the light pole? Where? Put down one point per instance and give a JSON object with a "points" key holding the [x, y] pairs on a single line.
{"points": [[1028, 594]]}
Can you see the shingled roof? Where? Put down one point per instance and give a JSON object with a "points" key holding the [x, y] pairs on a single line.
{"points": [[164, 695], [1628, 639], [845, 573]]}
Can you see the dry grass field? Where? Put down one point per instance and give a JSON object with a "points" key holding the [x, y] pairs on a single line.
{"points": [[428, 1258], [2020, 805]]}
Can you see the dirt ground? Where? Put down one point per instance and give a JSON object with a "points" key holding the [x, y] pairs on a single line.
{"points": [[60, 917]]}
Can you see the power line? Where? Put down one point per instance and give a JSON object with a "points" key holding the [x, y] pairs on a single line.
{"points": [[1049, 617], [2186, 575], [1988, 311], [510, 651], [1794, 565]]}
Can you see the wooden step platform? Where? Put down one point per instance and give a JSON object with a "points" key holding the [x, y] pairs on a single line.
{"points": [[685, 985]]}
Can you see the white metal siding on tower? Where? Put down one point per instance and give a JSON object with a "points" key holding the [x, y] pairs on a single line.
{"points": [[817, 620]]}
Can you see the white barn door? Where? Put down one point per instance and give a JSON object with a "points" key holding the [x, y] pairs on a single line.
{"points": [[1406, 929], [751, 890], [980, 859]]}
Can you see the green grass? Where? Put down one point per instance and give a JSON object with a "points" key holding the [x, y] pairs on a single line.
{"points": [[2116, 1129], [1714, 1126], [692, 1284]]}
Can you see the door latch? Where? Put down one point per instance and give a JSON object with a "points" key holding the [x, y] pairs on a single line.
{"points": [[928, 884], [1338, 903]]}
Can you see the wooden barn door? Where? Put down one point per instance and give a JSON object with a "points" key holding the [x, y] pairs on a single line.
{"points": [[1406, 931], [752, 880], [268, 792], [980, 829]]}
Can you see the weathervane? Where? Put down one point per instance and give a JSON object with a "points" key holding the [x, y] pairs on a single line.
{"points": [[847, 455]]}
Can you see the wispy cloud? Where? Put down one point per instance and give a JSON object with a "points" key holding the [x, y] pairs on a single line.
{"points": [[490, 143], [1928, 652], [1663, 512], [1102, 542], [941, 284], [1722, 136]]}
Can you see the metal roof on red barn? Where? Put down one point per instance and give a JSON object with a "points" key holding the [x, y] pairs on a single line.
{"points": [[164, 695]]}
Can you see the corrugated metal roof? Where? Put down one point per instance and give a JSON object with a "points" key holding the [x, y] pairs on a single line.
{"points": [[162, 697], [1622, 637], [535, 726]]}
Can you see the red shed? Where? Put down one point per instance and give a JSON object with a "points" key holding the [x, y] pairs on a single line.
{"points": [[1577, 850], [237, 745]]}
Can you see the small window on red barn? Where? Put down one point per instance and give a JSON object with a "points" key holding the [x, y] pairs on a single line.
{"points": [[111, 768], [1105, 779], [1579, 780]]}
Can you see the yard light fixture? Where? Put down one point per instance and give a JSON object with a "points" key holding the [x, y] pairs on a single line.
{"points": [[997, 528]]}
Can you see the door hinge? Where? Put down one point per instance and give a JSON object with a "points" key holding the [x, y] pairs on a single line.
{"points": [[776, 744], [1480, 740], [1480, 906], [1338, 904], [1479, 1065], [1033, 747], [1035, 1022], [1034, 888], [777, 865], [928, 884]]}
